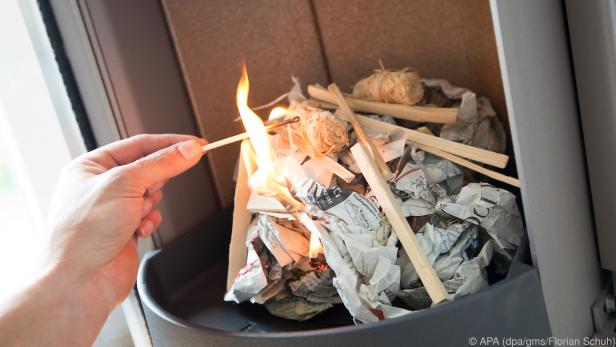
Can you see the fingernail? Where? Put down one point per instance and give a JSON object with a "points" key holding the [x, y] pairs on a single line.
{"points": [[189, 149], [146, 227]]}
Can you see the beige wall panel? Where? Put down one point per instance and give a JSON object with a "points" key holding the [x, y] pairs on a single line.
{"points": [[452, 39], [277, 39]]}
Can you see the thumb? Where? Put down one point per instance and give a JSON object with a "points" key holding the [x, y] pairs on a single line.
{"points": [[165, 163]]}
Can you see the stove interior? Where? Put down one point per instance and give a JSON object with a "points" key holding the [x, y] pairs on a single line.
{"points": [[321, 42]]}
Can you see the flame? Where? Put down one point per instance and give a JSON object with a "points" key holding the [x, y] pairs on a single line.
{"points": [[277, 112], [248, 157], [268, 179], [315, 246], [257, 133]]}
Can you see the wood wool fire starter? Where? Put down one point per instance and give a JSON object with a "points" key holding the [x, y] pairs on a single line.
{"points": [[319, 129], [400, 87]]}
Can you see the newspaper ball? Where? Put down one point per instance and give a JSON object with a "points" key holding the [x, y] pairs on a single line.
{"points": [[400, 87]]}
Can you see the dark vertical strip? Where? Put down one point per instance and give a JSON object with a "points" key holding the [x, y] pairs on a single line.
{"points": [[580, 125], [66, 72], [317, 26], [191, 102]]}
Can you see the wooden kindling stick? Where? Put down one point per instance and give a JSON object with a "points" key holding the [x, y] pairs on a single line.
{"points": [[382, 126], [477, 154], [470, 165], [467, 164], [242, 136], [442, 115], [469, 152], [241, 216], [401, 227], [348, 115]]}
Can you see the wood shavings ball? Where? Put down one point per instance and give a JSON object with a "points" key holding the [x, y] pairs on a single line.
{"points": [[400, 87], [320, 130]]}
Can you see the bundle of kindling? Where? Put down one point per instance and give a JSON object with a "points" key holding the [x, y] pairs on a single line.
{"points": [[385, 200]]}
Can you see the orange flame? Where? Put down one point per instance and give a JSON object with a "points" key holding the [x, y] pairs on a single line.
{"points": [[267, 179], [277, 112], [315, 246], [257, 133]]}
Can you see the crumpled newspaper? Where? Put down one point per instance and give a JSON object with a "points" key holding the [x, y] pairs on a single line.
{"points": [[358, 244], [295, 308], [315, 286], [444, 177], [469, 278], [420, 184], [286, 245], [459, 228], [451, 239], [352, 208], [359, 247], [445, 241], [303, 293], [412, 189], [477, 124], [390, 144], [367, 275], [252, 278], [366, 268], [494, 209]]}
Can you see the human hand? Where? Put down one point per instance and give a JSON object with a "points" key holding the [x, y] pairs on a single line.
{"points": [[106, 197]]}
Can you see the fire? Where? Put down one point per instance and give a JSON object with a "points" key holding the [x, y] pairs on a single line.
{"points": [[257, 133], [248, 157], [315, 246], [277, 112], [316, 254], [268, 179]]}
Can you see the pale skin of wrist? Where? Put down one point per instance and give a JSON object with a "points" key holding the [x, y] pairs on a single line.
{"points": [[104, 200]]}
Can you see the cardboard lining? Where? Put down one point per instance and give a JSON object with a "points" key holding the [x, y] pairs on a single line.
{"points": [[450, 39], [276, 39]]}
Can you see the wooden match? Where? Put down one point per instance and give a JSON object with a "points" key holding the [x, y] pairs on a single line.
{"points": [[242, 136]]}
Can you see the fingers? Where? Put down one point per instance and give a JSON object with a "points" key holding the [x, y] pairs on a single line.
{"points": [[163, 164], [127, 151], [151, 217], [157, 186], [150, 201], [149, 223]]}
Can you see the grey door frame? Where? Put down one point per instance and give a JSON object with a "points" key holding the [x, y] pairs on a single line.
{"points": [[592, 28], [540, 92]]}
